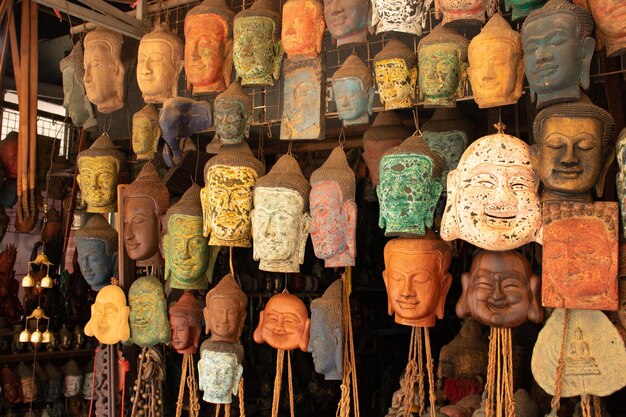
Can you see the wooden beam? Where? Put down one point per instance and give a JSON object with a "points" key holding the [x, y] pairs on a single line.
{"points": [[109, 10]]}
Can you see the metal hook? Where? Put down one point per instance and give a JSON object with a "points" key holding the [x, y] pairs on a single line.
{"points": [[342, 137], [289, 147], [416, 121]]}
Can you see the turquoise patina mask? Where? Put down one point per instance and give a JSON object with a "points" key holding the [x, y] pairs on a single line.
{"points": [[149, 323], [353, 91], [257, 50], [521, 8], [96, 243], [442, 57], [74, 97], [219, 371], [409, 189], [326, 340]]}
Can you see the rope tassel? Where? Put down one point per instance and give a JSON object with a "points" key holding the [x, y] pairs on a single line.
{"points": [[499, 388], [414, 373]]}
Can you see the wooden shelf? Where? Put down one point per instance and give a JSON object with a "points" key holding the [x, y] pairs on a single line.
{"points": [[45, 356]]}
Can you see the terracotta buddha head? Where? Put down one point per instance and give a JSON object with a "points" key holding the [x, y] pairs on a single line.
{"points": [[30, 388], [407, 16], [333, 211], [442, 56], [209, 46], [219, 371], [11, 386], [98, 169], [395, 68], [257, 50], [229, 179], [457, 12], [72, 379], [326, 341], [417, 279], [225, 311], [8, 154], [500, 290], [280, 218], [409, 189], [185, 248], [233, 115], [145, 200], [492, 200], [556, 69], [521, 8], [448, 132], [353, 91], [496, 64], [608, 16], [186, 324], [303, 28], [386, 131], [75, 99], [347, 20], [104, 70], [159, 63], [146, 133], [149, 324], [284, 323], [109, 316], [96, 243], [573, 150]]}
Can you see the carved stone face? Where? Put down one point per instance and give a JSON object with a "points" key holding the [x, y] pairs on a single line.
{"points": [[407, 16], [500, 291], [396, 83], [104, 74], [231, 123], [569, 157], [302, 100], [333, 224], [206, 50], [555, 59], [141, 228], [256, 55], [279, 229], [302, 27], [72, 385], [97, 179], [353, 100], [407, 194], [373, 152], [30, 390], [224, 318], [109, 316], [462, 9], [186, 252], [326, 349], [95, 264], [450, 146], [284, 324], [521, 8], [182, 334], [145, 137], [492, 201], [149, 323], [441, 75], [227, 202], [219, 374], [75, 99], [54, 390], [608, 16], [87, 386], [347, 20], [157, 72]]}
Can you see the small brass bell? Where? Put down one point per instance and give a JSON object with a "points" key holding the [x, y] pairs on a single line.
{"points": [[28, 281], [36, 337], [46, 282], [48, 337], [25, 336]]}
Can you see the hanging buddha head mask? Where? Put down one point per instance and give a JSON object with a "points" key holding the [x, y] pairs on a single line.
{"points": [[521, 8], [407, 16], [573, 150], [109, 316], [442, 56], [225, 311], [96, 243], [74, 97], [30, 389], [257, 51], [448, 133], [284, 323], [98, 168], [303, 28], [395, 68], [104, 70], [11, 386], [417, 279], [233, 115], [347, 20], [492, 199], [146, 133], [185, 249], [353, 91], [409, 189], [386, 132], [149, 324], [55, 386], [229, 179], [496, 61], [333, 211], [280, 219], [219, 371], [8, 154], [500, 290], [608, 15], [186, 324], [209, 46], [72, 379], [159, 63], [326, 341], [465, 11], [145, 200], [555, 69]]}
